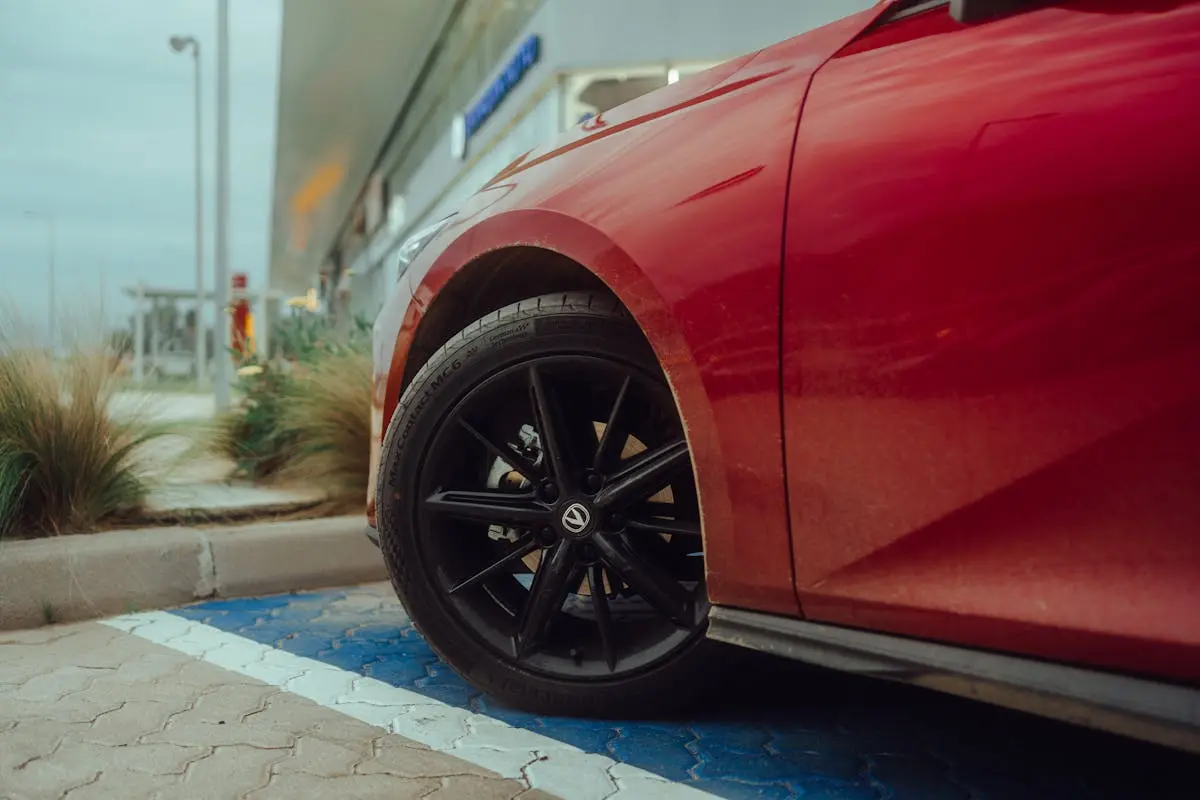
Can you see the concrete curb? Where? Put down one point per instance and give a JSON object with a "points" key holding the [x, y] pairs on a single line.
{"points": [[71, 578]]}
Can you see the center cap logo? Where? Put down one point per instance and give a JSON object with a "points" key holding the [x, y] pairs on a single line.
{"points": [[576, 518]]}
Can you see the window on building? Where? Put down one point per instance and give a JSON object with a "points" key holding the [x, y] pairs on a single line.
{"points": [[603, 94], [587, 94]]}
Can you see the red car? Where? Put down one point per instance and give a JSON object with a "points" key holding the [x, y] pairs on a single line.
{"points": [[877, 348]]}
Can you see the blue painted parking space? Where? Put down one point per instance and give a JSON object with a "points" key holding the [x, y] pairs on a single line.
{"points": [[775, 729]]}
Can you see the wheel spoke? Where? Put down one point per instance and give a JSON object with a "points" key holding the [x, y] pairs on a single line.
{"points": [[613, 440], [506, 454], [550, 428], [675, 527], [547, 593], [658, 587], [655, 508], [514, 454], [603, 614], [672, 556], [492, 507], [645, 476], [523, 548]]}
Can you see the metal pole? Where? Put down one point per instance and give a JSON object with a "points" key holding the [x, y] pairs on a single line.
{"points": [[52, 319], [53, 292], [200, 338], [139, 337], [103, 289], [262, 328], [155, 338], [221, 363]]}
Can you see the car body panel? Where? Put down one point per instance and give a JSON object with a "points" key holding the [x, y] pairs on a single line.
{"points": [[980, 242], [991, 339], [1154, 710], [708, 303]]}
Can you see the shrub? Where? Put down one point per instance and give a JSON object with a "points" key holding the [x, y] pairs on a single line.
{"points": [[327, 417], [252, 435], [66, 465], [309, 420], [305, 339]]}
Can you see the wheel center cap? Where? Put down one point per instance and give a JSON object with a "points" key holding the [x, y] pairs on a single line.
{"points": [[576, 520]]}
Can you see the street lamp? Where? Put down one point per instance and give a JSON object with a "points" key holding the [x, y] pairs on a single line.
{"points": [[221, 261], [180, 44], [53, 318]]}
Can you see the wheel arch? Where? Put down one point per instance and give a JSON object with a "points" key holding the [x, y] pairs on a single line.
{"points": [[523, 253], [488, 283], [530, 252]]}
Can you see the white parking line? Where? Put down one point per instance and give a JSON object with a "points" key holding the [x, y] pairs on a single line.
{"points": [[538, 761]]}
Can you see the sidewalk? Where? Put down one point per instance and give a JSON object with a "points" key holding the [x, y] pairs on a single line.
{"points": [[163, 406], [92, 712], [189, 484], [197, 535]]}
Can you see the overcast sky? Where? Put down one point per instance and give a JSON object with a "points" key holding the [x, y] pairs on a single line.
{"points": [[96, 127]]}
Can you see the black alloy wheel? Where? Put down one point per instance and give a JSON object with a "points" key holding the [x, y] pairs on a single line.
{"points": [[539, 515]]}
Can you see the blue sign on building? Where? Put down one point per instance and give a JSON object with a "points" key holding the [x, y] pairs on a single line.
{"points": [[520, 64]]}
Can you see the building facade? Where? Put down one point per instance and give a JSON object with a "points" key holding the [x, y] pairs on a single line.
{"points": [[505, 76]]}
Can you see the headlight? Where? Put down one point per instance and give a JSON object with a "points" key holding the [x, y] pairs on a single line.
{"points": [[413, 245]]}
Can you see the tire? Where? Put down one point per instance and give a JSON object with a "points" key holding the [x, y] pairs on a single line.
{"points": [[649, 657]]}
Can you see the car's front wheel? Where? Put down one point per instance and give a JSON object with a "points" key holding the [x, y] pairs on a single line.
{"points": [[539, 516]]}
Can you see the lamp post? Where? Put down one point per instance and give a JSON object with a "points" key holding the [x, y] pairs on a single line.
{"points": [[221, 364], [180, 44], [50, 243]]}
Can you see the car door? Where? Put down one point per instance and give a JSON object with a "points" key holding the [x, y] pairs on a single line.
{"points": [[991, 332]]}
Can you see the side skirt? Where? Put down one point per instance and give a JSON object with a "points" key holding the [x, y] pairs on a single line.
{"points": [[1164, 713]]}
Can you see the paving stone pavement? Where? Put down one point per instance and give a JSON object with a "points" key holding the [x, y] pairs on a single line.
{"points": [[87, 711], [776, 729], [92, 710]]}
